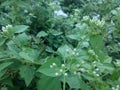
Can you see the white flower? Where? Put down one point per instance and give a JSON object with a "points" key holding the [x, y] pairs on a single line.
{"points": [[97, 69], [85, 18], [73, 53], [25, 11], [75, 72], [74, 49], [82, 62], [61, 70], [117, 86], [65, 74], [54, 64], [4, 29], [82, 69], [51, 66], [67, 50], [77, 54], [97, 75], [60, 13], [114, 12], [63, 65], [94, 72], [56, 74], [113, 88], [78, 65], [85, 44]]}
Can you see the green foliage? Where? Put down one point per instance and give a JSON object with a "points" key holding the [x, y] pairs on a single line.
{"points": [[59, 45]]}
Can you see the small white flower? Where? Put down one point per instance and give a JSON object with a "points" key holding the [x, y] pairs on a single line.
{"points": [[97, 69], [113, 88], [73, 53], [54, 64], [97, 75], [4, 29], [60, 13], [119, 43], [77, 53], [78, 65], [25, 11], [85, 18], [67, 50], [85, 44], [56, 74], [61, 70], [75, 72], [74, 49], [82, 62], [63, 65], [65, 74], [82, 69], [117, 86], [94, 72], [51, 66]]}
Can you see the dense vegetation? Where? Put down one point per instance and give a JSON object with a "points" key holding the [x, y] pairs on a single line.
{"points": [[60, 45]]}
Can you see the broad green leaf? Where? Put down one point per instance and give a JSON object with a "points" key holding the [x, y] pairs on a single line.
{"points": [[48, 83], [20, 28], [45, 68], [84, 86], [4, 88], [27, 73], [29, 54], [13, 49], [75, 37], [55, 32], [2, 40], [4, 65], [106, 67], [65, 51], [73, 81], [42, 34], [21, 39], [97, 44]]}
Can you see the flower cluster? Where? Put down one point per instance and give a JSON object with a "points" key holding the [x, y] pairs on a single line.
{"points": [[117, 87], [60, 13], [62, 71], [97, 21], [85, 18], [7, 28], [53, 65]]}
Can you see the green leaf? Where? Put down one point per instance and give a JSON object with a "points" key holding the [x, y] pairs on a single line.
{"points": [[29, 54], [65, 51], [52, 83], [20, 28], [55, 33], [73, 81], [72, 36], [45, 68], [84, 86], [4, 65], [4, 88], [13, 49], [21, 39], [97, 44], [42, 34], [27, 73], [2, 40]]}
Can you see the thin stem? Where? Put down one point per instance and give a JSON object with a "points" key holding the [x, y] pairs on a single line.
{"points": [[64, 81]]}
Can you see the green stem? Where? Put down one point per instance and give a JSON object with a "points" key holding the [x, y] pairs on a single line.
{"points": [[64, 80], [6, 59]]}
